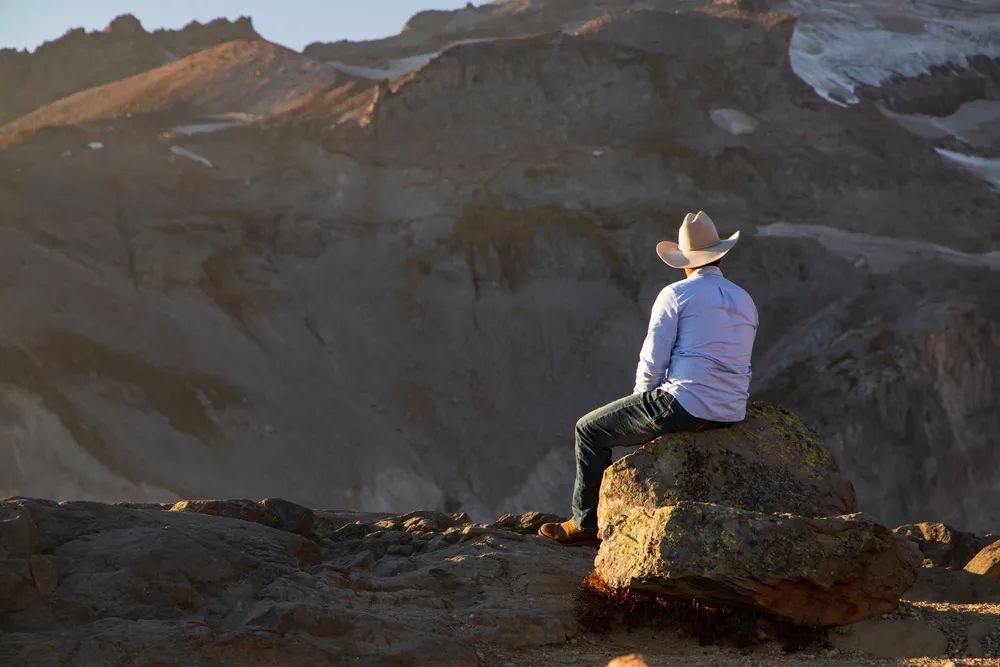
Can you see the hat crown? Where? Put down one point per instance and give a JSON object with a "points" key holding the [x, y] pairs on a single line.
{"points": [[697, 232]]}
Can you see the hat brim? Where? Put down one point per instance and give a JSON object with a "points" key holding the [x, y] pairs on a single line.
{"points": [[689, 259]]}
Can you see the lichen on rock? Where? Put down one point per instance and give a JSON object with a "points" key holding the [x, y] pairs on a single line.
{"points": [[770, 462], [756, 514], [813, 571]]}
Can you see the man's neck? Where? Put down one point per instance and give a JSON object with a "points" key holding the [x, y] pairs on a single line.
{"points": [[703, 270]]}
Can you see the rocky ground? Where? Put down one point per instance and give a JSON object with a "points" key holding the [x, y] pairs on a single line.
{"points": [[241, 582]]}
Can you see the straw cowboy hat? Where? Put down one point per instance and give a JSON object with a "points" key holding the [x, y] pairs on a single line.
{"points": [[698, 243]]}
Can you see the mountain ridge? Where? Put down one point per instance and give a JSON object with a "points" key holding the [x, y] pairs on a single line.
{"points": [[56, 69], [251, 76]]}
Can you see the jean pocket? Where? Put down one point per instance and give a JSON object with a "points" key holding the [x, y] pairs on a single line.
{"points": [[662, 404]]}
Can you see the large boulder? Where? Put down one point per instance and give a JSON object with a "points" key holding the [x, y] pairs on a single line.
{"points": [[812, 571], [770, 462], [986, 562], [757, 514]]}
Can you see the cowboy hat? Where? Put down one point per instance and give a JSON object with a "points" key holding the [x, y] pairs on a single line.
{"points": [[698, 243]]}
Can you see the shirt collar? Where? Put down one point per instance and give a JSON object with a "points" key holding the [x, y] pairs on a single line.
{"points": [[706, 271]]}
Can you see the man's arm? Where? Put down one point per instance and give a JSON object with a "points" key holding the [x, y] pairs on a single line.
{"points": [[654, 358]]}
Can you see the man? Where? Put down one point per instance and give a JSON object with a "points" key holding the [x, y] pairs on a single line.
{"points": [[693, 372]]}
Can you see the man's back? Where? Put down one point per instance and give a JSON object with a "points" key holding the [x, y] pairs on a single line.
{"points": [[699, 345]]}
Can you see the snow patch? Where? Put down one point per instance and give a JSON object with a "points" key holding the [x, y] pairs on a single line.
{"points": [[393, 69], [880, 254], [838, 45], [976, 123], [183, 152], [986, 168], [214, 123], [203, 128], [401, 66], [733, 121]]}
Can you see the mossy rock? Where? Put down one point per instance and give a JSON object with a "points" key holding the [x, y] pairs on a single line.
{"points": [[813, 571], [770, 462]]}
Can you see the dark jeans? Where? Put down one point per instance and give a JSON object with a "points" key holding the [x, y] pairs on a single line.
{"points": [[629, 421]]}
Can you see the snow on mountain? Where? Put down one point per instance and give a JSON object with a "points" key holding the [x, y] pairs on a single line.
{"points": [[841, 44]]}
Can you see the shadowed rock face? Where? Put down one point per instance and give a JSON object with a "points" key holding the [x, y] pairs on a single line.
{"points": [[404, 294], [829, 571], [771, 462], [944, 546], [98, 583]]}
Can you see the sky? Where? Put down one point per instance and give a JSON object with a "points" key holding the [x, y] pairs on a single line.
{"points": [[24, 24]]}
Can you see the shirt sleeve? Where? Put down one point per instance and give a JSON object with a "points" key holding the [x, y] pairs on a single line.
{"points": [[654, 358]]}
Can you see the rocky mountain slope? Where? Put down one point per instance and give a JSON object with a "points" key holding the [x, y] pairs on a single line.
{"points": [[395, 294], [80, 60], [254, 76]]}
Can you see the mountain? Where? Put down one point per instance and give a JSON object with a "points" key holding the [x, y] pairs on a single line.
{"points": [[399, 281], [80, 60], [252, 76]]}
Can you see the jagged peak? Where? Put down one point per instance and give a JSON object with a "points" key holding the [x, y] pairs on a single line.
{"points": [[125, 24], [128, 25], [244, 22]]}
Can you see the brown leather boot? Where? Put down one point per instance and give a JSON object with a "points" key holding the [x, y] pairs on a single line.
{"points": [[568, 532]]}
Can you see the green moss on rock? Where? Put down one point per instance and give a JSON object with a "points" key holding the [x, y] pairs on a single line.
{"points": [[770, 462], [813, 571]]}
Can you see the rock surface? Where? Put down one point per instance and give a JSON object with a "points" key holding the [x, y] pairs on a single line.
{"points": [[87, 583], [526, 523], [817, 572], [938, 584], [943, 545], [756, 515], [986, 562], [771, 462], [272, 512], [884, 638], [210, 583]]}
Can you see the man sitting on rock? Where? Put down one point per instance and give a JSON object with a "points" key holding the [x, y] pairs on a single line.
{"points": [[693, 373]]}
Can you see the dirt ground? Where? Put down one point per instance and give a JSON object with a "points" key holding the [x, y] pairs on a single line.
{"points": [[918, 634]]}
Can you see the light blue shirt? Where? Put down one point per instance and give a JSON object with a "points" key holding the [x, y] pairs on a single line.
{"points": [[698, 346]]}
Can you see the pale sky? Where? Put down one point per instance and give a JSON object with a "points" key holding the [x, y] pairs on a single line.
{"points": [[293, 23]]}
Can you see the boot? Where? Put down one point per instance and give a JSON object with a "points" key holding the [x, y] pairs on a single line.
{"points": [[568, 532]]}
